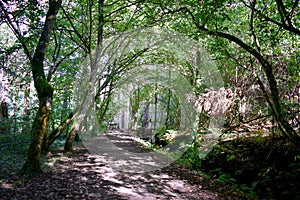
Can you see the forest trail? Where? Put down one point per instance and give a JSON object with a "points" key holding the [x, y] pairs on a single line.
{"points": [[83, 175]]}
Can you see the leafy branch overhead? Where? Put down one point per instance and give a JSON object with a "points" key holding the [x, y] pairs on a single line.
{"points": [[212, 80]]}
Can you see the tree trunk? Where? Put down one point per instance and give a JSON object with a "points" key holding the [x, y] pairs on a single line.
{"points": [[44, 91], [73, 131], [135, 104], [38, 131], [3, 116], [4, 110], [167, 122], [3, 104], [155, 108], [59, 130], [274, 99], [70, 139]]}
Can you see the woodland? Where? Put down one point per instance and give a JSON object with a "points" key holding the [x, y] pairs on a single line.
{"points": [[215, 81]]}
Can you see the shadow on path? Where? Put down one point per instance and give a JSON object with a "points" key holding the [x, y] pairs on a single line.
{"points": [[82, 175]]}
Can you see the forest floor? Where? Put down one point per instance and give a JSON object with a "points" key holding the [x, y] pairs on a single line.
{"points": [[83, 175]]}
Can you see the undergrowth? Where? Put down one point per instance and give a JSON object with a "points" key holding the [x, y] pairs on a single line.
{"points": [[261, 167], [13, 150]]}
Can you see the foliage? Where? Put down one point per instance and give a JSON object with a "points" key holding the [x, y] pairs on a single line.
{"points": [[191, 157], [255, 45], [263, 168], [13, 150]]}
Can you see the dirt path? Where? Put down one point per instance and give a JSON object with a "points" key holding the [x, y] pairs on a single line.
{"points": [[82, 175]]}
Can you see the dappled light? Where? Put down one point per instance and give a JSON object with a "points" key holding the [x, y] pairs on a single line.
{"points": [[84, 175], [124, 153], [116, 99]]}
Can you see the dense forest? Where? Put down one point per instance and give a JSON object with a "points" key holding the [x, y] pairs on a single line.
{"points": [[114, 99]]}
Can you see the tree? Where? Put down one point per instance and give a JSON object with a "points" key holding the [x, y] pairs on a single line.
{"points": [[44, 91], [246, 38], [42, 86], [272, 93], [227, 21], [3, 103], [102, 19]]}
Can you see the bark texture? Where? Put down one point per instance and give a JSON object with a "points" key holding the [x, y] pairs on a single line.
{"points": [[44, 91]]}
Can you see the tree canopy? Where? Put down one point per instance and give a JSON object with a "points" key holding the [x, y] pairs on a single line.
{"points": [[235, 62]]}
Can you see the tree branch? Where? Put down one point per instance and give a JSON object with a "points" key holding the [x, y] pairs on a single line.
{"points": [[256, 42], [288, 27], [285, 127], [53, 68], [84, 42], [58, 131], [16, 31]]}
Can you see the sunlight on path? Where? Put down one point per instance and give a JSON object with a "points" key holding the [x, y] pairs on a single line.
{"points": [[120, 151], [84, 175], [137, 178], [160, 184]]}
